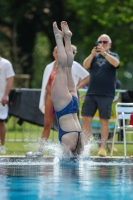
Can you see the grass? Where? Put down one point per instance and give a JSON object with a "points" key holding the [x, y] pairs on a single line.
{"points": [[120, 150], [20, 139]]}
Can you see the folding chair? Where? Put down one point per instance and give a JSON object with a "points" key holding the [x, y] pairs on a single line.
{"points": [[123, 113]]}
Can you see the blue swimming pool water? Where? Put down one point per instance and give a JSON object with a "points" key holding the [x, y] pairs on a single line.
{"points": [[98, 179]]}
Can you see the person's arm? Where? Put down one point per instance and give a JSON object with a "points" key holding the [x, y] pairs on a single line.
{"points": [[88, 60], [111, 59], [83, 82], [50, 82], [7, 90], [48, 88]]}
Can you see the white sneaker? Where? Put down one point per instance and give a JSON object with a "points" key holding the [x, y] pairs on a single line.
{"points": [[2, 150]]}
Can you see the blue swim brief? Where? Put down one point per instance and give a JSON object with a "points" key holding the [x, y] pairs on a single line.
{"points": [[71, 108]]}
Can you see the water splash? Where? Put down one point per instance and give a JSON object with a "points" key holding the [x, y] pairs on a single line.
{"points": [[49, 148], [63, 153], [88, 148]]}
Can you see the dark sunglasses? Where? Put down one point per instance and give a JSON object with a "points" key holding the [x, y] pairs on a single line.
{"points": [[104, 42]]}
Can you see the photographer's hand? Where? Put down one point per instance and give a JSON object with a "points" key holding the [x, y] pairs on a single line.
{"points": [[94, 51], [100, 49], [111, 59], [88, 60]]}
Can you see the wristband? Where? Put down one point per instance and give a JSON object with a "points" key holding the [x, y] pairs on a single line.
{"points": [[105, 54]]}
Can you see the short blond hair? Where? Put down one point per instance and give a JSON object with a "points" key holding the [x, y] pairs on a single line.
{"points": [[74, 48]]}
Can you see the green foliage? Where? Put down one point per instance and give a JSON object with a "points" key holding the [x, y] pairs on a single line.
{"points": [[114, 18], [41, 59]]}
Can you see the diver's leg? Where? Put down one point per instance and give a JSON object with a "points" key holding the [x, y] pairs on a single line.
{"points": [[60, 93], [70, 57]]}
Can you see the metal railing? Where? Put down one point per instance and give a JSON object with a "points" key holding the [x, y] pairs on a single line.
{"points": [[26, 132]]}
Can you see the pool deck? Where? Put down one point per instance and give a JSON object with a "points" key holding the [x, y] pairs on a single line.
{"points": [[21, 156], [42, 160]]}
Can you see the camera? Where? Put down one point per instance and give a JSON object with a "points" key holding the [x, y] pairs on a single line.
{"points": [[96, 44]]}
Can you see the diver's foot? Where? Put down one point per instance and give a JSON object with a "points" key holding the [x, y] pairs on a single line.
{"points": [[57, 32], [65, 29]]}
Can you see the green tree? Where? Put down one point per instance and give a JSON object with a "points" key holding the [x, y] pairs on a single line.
{"points": [[113, 18], [23, 21]]}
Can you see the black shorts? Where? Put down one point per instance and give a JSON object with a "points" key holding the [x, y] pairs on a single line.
{"points": [[3, 120], [94, 102]]}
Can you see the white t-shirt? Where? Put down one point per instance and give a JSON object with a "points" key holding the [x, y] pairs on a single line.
{"points": [[78, 72], [6, 71]]}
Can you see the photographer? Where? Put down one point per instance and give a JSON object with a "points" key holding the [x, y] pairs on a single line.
{"points": [[102, 64]]}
